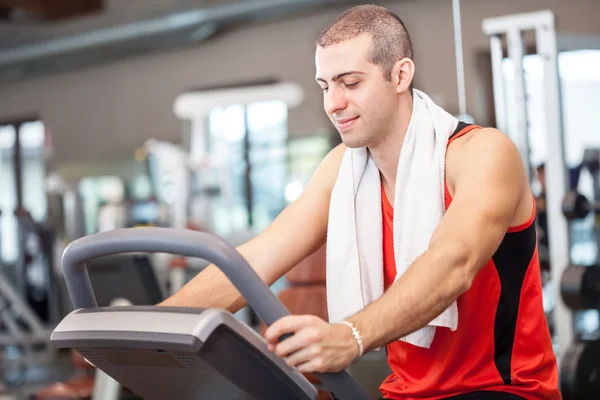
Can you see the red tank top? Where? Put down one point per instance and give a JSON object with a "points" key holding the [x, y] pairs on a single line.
{"points": [[502, 342]]}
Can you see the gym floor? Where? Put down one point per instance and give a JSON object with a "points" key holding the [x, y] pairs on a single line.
{"points": [[37, 377]]}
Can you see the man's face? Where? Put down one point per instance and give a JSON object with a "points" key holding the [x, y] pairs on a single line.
{"points": [[356, 96]]}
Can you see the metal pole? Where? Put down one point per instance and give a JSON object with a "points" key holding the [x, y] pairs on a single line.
{"points": [[559, 243], [21, 266], [497, 54], [516, 52], [248, 172], [460, 70]]}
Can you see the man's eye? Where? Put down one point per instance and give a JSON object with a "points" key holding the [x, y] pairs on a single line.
{"points": [[351, 85]]}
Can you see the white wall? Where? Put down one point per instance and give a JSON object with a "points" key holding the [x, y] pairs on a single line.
{"points": [[107, 111]]}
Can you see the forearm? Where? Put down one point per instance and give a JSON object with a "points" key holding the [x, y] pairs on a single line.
{"points": [[423, 292], [209, 289]]}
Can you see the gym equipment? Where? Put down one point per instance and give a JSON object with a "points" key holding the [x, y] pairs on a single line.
{"points": [[510, 30], [183, 353], [509, 39], [124, 276], [122, 279], [591, 160], [24, 340], [580, 372], [36, 258], [580, 287], [580, 290], [576, 206]]}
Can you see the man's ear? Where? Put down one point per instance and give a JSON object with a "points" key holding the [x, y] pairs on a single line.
{"points": [[403, 74]]}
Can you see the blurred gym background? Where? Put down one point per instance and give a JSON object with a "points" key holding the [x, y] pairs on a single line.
{"points": [[204, 115]]}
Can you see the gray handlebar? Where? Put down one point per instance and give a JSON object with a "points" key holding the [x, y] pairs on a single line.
{"points": [[192, 244], [173, 241]]}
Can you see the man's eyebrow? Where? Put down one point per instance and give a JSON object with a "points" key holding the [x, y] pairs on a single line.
{"points": [[338, 76]]}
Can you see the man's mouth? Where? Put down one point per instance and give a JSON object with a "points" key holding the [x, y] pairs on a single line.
{"points": [[346, 123]]}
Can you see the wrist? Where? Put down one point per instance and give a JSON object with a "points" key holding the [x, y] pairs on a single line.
{"points": [[356, 337]]}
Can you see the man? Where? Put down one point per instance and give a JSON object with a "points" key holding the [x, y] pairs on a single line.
{"points": [[481, 256]]}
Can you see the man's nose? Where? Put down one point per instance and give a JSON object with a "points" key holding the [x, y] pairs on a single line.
{"points": [[335, 101]]}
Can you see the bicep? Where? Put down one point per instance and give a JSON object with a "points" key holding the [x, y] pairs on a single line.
{"points": [[489, 182], [300, 229]]}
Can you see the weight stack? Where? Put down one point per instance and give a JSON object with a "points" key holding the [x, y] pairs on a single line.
{"points": [[580, 366], [580, 287]]}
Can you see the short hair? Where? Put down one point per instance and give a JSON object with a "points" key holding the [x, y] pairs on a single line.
{"points": [[391, 41]]}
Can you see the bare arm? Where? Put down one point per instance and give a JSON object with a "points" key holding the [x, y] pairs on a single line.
{"points": [[295, 234], [490, 189]]}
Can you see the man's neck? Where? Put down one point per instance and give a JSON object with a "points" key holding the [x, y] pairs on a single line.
{"points": [[387, 152]]}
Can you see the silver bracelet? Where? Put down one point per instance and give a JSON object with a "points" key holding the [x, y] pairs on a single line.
{"points": [[356, 335]]}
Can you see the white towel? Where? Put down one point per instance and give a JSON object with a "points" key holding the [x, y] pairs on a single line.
{"points": [[354, 237]]}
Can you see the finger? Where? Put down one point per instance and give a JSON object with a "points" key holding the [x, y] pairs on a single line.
{"points": [[287, 324], [304, 355], [301, 339], [276, 333], [316, 364]]}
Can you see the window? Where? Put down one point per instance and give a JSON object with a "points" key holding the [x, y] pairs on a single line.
{"points": [[304, 154], [28, 187], [96, 192], [253, 141], [8, 195]]}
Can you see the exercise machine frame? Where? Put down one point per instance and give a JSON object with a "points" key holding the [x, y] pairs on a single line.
{"points": [[549, 43], [190, 244]]}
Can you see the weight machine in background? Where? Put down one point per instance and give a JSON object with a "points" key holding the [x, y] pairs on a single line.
{"points": [[508, 32], [580, 290]]}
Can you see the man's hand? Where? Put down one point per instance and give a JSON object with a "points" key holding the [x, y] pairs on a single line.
{"points": [[316, 346]]}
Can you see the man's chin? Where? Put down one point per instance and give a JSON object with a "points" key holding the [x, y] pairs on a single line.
{"points": [[352, 143]]}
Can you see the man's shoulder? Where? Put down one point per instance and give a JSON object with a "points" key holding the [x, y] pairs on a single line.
{"points": [[330, 166], [486, 148], [337, 153], [326, 174], [480, 135], [480, 142]]}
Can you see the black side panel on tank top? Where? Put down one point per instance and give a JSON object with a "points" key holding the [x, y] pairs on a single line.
{"points": [[512, 260]]}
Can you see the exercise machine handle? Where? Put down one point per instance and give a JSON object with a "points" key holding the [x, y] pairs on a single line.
{"points": [[166, 240], [191, 244]]}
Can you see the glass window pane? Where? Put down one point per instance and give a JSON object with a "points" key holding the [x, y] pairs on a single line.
{"points": [[33, 168], [8, 197], [267, 126], [305, 155], [228, 211], [7, 137], [32, 135]]}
